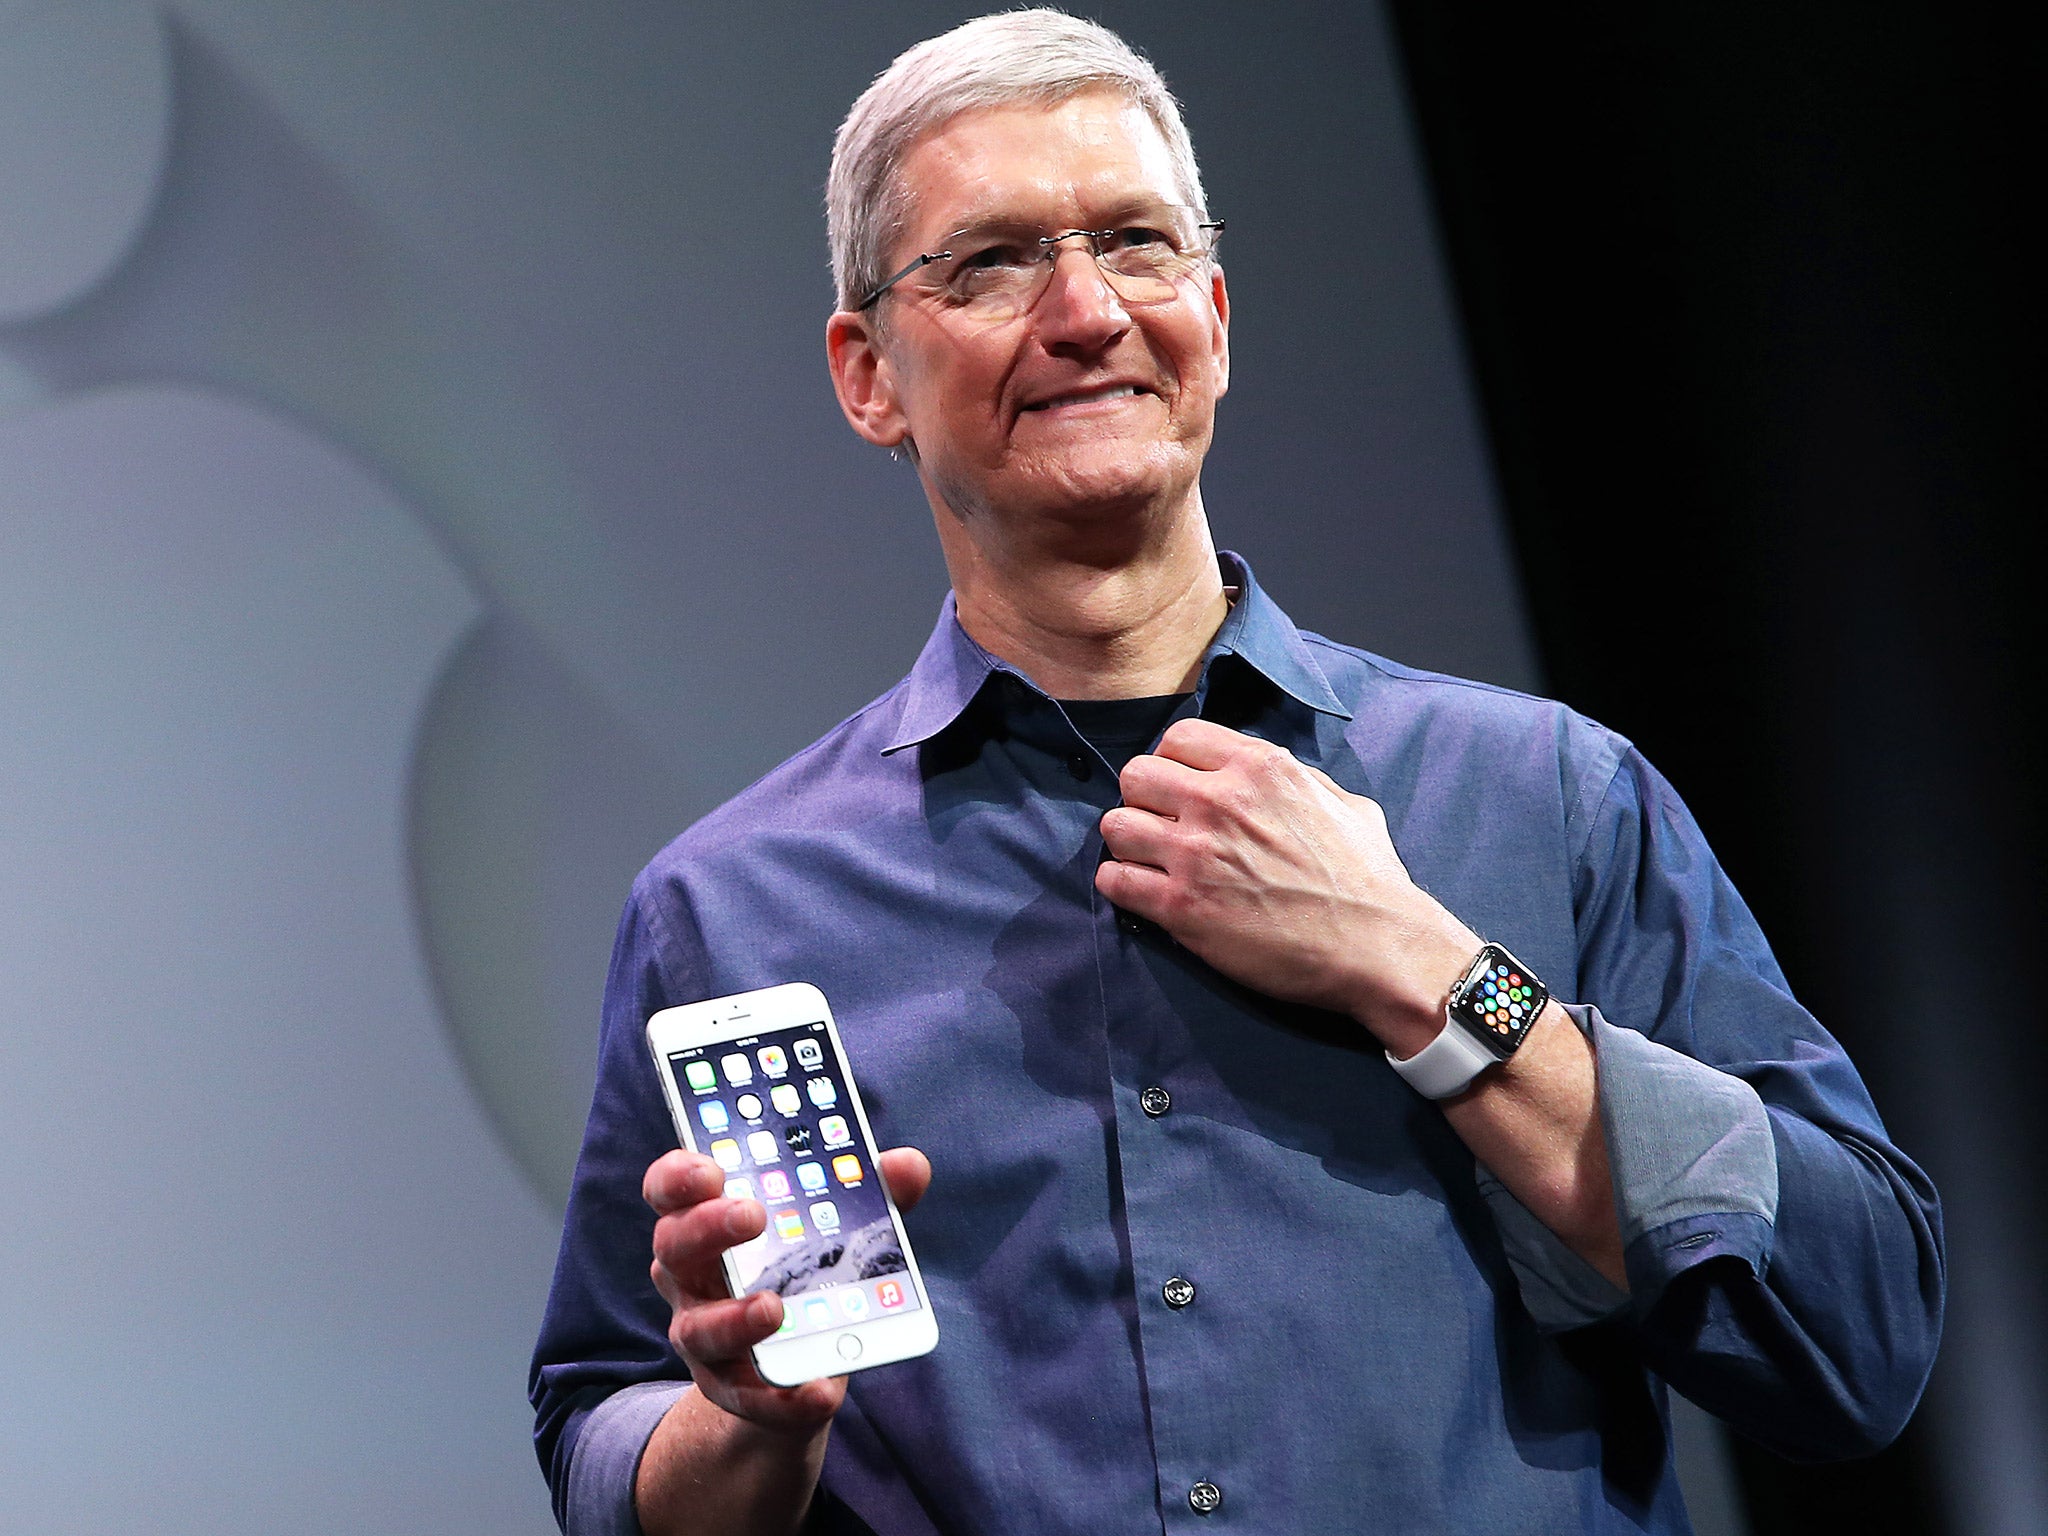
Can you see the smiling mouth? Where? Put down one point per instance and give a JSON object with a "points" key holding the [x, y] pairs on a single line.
{"points": [[1085, 397]]}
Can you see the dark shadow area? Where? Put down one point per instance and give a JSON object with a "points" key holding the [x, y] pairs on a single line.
{"points": [[1757, 346]]}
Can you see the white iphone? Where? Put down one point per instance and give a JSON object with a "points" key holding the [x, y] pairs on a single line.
{"points": [[759, 1083]]}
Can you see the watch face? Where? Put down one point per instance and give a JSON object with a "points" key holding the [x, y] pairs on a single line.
{"points": [[1501, 1000]]}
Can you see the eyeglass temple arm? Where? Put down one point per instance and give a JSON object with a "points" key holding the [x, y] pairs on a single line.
{"points": [[883, 287]]}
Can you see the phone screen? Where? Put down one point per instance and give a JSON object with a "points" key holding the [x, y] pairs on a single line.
{"points": [[774, 1112]]}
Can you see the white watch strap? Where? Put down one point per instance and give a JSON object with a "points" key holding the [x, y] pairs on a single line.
{"points": [[1445, 1065]]}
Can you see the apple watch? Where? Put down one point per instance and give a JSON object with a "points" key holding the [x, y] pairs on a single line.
{"points": [[1486, 1019]]}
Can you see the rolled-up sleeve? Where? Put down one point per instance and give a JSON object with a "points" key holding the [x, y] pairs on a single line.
{"points": [[609, 1444], [603, 1372], [1695, 1177], [1784, 1257]]}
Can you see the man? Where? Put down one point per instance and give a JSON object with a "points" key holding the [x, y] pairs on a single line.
{"points": [[1229, 1222]]}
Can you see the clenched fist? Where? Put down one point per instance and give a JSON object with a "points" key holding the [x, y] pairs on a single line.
{"points": [[1281, 880]]}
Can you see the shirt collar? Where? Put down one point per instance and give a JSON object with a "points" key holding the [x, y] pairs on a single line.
{"points": [[949, 673], [1257, 633], [952, 669]]}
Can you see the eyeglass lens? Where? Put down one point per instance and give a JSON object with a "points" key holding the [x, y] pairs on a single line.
{"points": [[995, 272]]}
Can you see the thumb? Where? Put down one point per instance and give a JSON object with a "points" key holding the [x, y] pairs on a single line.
{"points": [[909, 1174]]}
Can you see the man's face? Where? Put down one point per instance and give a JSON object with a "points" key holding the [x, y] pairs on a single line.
{"points": [[1082, 404]]}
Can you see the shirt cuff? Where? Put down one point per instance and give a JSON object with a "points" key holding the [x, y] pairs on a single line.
{"points": [[606, 1460], [1695, 1175]]}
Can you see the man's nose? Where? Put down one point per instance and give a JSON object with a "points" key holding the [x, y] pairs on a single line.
{"points": [[1078, 305]]}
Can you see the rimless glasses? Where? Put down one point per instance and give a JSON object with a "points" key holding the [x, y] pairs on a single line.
{"points": [[995, 272]]}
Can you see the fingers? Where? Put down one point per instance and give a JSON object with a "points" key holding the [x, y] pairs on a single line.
{"points": [[687, 1243], [1136, 888], [680, 1179], [713, 1331], [1139, 837], [1198, 764], [1170, 796], [1153, 782], [708, 1327], [1204, 744], [694, 1225], [720, 1333], [909, 1174]]}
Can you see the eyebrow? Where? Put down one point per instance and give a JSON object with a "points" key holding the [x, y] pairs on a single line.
{"points": [[993, 217]]}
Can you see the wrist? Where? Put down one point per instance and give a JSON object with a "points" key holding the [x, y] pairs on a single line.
{"points": [[1404, 1008], [763, 1474], [793, 1427]]}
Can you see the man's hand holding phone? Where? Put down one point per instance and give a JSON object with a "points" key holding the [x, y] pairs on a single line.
{"points": [[714, 1331], [738, 1455], [780, 1250]]}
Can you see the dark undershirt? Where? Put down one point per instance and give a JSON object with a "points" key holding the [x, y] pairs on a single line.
{"points": [[1121, 728]]}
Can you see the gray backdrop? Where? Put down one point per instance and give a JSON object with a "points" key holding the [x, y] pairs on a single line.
{"points": [[420, 497]]}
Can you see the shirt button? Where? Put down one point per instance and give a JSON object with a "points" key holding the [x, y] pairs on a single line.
{"points": [[1178, 1292], [1079, 766], [1205, 1498], [1155, 1101], [1131, 923]]}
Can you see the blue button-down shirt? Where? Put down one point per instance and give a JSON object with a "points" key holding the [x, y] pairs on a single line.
{"points": [[1379, 1337]]}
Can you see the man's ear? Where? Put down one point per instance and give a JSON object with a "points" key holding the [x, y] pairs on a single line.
{"points": [[864, 379], [1219, 298]]}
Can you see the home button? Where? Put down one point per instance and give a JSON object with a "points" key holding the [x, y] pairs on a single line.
{"points": [[849, 1346]]}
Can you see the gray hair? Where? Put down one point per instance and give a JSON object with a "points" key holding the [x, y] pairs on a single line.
{"points": [[1035, 56]]}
